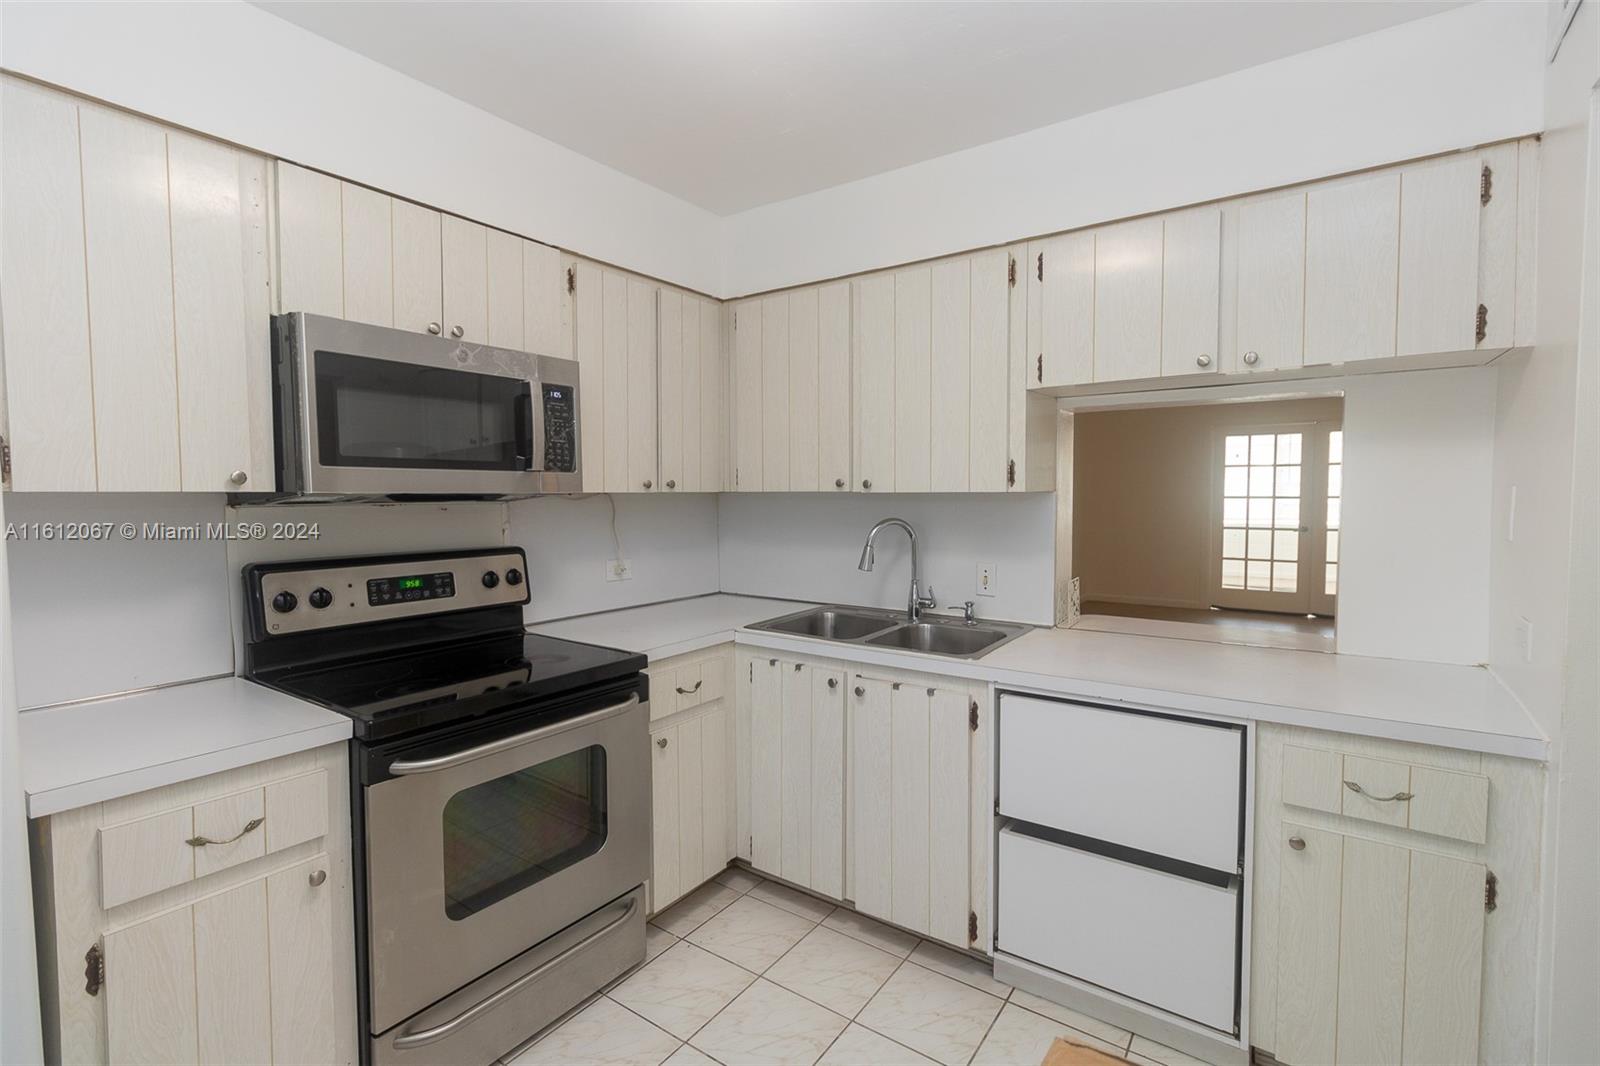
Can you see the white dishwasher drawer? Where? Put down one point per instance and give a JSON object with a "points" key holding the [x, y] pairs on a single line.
{"points": [[1168, 786], [1151, 936]]}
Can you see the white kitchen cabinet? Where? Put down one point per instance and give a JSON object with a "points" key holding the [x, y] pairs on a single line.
{"points": [[775, 393], [504, 289], [1352, 254], [418, 268], [614, 342], [135, 282], [834, 387], [1191, 280], [970, 353], [873, 326], [464, 279], [366, 247], [913, 379], [1061, 334], [1271, 283], [804, 381], [1127, 300], [691, 371], [748, 397], [691, 748], [548, 283]]}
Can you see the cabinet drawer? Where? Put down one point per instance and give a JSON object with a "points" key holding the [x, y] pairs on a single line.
{"points": [[1425, 799], [145, 856], [1162, 785], [687, 686], [1152, 936]]}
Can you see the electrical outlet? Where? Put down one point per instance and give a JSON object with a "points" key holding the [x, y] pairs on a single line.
{"points": [[986, 579], [619, 570], [1524, 638]]}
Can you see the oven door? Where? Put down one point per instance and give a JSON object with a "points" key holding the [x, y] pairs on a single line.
{"points": [[480, 848]]}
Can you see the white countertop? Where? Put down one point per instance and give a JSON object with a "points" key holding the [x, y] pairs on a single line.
{"points": [[1425, 703], [85, 753]]}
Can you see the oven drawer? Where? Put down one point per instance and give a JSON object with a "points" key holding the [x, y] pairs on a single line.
{"points": [[1146, 934], [1168, 786]]}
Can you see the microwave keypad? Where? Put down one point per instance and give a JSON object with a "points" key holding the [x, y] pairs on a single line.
{"points": [[560, 429]]}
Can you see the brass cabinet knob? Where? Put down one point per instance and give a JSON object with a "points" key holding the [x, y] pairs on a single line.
{"points": [[866, 483], [238, 477], [672, 484], [433, 328], [317, 877], [648, 483], [1298, 843], [838, 482]]}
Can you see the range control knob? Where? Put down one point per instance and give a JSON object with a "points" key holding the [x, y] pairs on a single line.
{"points": [[490, 579], [320, 598], [284, 602], [513, 576]]}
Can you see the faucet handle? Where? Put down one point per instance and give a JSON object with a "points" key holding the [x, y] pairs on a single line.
{"points": [[968, 614]]}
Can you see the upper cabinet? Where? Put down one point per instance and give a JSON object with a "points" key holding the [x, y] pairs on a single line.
{"points": [[614, 342], [136, 287], [691, 412]]}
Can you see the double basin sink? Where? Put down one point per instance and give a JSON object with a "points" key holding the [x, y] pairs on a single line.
{"points": [[890, 630]]}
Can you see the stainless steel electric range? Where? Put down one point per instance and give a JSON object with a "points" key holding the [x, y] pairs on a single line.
{"points": [[501, 791]]}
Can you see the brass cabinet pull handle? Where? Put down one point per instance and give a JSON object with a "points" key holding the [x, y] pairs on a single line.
{"points": [[1399, 797], [690, 691], [200, 842]]}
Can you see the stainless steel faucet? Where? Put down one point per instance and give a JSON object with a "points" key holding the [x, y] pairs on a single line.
{"points": [[915, 602]]}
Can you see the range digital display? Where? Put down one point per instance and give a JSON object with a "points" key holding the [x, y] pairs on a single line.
{"points": [[409, 587]]}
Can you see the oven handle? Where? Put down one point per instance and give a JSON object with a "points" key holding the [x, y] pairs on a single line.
{"points": [[407, 1041], [466, 755]]}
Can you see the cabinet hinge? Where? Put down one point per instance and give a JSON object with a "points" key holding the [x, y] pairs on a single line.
{"points": [[972, 927], [1011, 271], [1491, 891], [972, 716], [1483, 323], [94, 970], [5, 461], [1039, 368], [1486, 185], [1040, 267], [572, 280], [1011, 472]]}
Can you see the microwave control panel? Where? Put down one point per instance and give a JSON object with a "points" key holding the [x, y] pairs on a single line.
{"points": [[560, 429]]}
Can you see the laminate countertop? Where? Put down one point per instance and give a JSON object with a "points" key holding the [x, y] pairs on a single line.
{"points": [[83, 753], [1462, 707]]}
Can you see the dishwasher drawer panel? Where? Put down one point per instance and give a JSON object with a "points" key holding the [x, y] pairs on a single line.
{"points": [[1167, 786], [1151, 936]]}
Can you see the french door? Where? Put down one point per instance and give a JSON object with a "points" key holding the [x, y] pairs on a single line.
{"points": [[1275, 543]]}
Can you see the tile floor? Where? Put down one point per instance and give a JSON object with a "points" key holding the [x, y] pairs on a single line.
{"points": [[747, 971]]}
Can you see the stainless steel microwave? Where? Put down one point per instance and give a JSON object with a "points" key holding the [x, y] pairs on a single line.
{"points": [[369, 411]]}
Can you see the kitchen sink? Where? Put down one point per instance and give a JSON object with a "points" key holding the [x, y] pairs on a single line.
{"points": [[958, 640], [932, 635], [831, 623]]}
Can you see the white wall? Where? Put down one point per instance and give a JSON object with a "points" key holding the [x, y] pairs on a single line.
{"points": [[233, 71], [806, 546], [669, 540], [1453, 80]]}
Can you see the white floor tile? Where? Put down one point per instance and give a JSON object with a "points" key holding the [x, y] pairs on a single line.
{"points": [[682, 989], [1021, 1038], [963, 968], [1067, 1016], [695, 909], [770, 1026], [602, 1034], [791, 900], [688, 1056], [751, 933], [1166, 1056], [931, 1013], [834, 970], [656, 940], [860, 1046], [884, 937], [738, 879]]}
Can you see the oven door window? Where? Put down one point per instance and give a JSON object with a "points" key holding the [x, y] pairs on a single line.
{"points": [[507, 834], [379, 412]]}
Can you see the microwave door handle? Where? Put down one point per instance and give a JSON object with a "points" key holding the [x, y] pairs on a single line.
{"points": [[526, 430], [493, 747]]}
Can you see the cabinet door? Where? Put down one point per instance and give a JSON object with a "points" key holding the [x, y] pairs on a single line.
{"points": [[643, 474], [951, 378], [418, 265], [748, 399], [691, 770], [871, 816], [909, 792], [716, 790], [713, 399], [775, 393], [367, 254], [1191, 278], [150, 1005], [795, 761], [300, 924], [988, 415], [833, 387], [669, 328], [310, 240], [803, 390], [874, 329], [827, 781], [547, 304], [1444, 960], [981, 820], [233, 976], [1440, 206], [687, 393], [1063, 282], [503, 291], [614, 340], [1352, 248], [1308, 945], [1272, 256], [666, 875], [949, 806], [913, 295], [1127, 300], [766, 765], [589, 349], [465, 270], [1372, 952]]}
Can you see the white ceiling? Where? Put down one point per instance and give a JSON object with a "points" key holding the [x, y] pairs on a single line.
{"points": [[735, 105]]}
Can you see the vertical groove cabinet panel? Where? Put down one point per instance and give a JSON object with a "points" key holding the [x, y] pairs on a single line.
{"points": [[766, 765], [128, 244], [666, 872], [367, 255], [310, 242], [871, 783], [748, 396], [717, 792], [614, 341], [503, 291], [691, 803], [1308, 946], [669, 328], [224, 818], [300, 935], [150, 1005], [908, 805], [1439, 216], [1030, 417], [1127, 300], [982, 817], [588, 348], [1191, 283], [795, 760], [688, 394], [418, 268], [464, 247], [713, 405], [233, 976], [1498, 243], [833, 387], [643, 474], [1352, 259], [1372, 952], [219, 249], [296, 810], [46, 320], [546, 304], [827, 781], [950, 376], [1272, 255], [1064, 352], [874, 329], [913, 429], [990, 372], [949, 803], [1443, 960], [775, 393], [803, 390]]}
